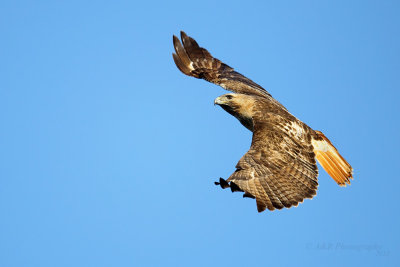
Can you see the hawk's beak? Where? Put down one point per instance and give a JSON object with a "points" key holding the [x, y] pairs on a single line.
{"points": [[218, 101]]}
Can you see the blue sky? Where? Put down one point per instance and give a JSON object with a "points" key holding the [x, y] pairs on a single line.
{"points": [[108, 153]]}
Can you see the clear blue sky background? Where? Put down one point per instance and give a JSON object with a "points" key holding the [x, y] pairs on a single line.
{"points": [[108, 153]]}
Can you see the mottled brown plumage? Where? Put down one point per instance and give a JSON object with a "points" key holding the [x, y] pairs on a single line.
{"points": [[279, 170]]}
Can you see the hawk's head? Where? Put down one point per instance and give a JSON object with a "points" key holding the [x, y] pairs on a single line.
{"points": [[238, 105]]}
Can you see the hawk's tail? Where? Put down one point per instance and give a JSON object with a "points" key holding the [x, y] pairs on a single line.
{"points": [[330, 159]]}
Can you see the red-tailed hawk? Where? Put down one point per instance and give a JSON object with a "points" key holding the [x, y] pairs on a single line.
{"points": [[280, 169]]}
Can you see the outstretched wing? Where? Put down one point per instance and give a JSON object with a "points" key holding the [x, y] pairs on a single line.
{"points": [[279, 170], [197, 62]]}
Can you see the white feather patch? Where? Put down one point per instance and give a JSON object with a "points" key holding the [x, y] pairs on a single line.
{"points": [[191, 65], [320, 145]]}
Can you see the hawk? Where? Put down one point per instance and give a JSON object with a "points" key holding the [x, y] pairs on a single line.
{"points": [[280, 169]]}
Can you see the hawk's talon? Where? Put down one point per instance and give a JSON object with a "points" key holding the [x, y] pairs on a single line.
{"points": [[248, 195], [223, 183], [235, 188]]}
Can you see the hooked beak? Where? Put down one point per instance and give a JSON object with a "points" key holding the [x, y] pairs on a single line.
{"points": [[218, 101]]}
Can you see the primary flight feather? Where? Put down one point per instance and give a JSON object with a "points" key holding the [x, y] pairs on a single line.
{"points": [[279, 170]]}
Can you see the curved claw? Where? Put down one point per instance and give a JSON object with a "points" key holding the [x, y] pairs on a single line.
{"points": [[223, 183]]}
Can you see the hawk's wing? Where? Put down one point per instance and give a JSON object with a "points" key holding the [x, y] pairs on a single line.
{"points": [[197, 62], [279, 170]]}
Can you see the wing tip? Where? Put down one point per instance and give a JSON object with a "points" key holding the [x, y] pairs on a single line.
{"points": [[179, 64], [175, 41], [183, 34]]}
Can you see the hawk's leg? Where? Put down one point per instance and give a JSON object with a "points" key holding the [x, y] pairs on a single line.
{"points": [[223, 183], [234, 188], [248, 195]]}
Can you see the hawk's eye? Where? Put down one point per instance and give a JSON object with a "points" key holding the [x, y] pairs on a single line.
{"points": [[229, 96]]}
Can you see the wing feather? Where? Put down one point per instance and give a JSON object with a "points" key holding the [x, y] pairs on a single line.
{"points": [[195, 61], [279, 163]]}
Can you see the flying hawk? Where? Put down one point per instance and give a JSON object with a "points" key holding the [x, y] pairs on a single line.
{"points": [[280, 169]]}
